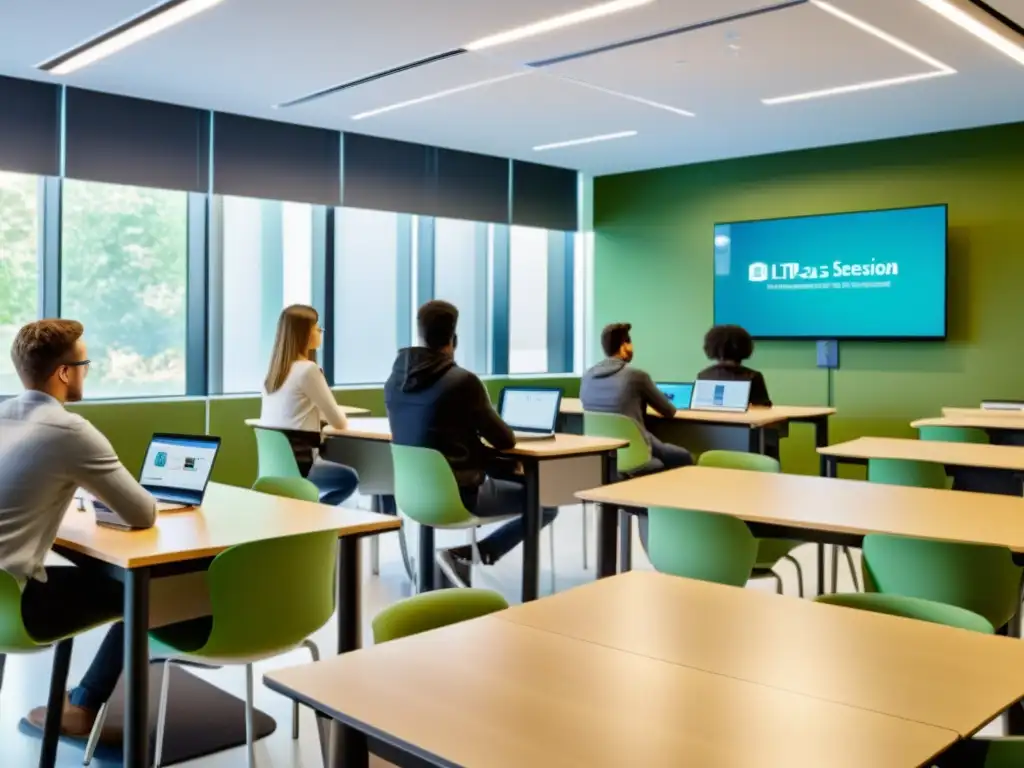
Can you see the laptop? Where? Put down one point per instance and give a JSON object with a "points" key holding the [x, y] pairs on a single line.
{"points": [[531, 412], [713, 395], [678, 393]]}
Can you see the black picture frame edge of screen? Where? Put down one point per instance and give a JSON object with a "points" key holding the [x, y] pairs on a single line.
{"points": [[833, 337]]}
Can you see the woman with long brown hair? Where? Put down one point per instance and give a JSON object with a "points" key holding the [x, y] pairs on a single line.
{"points": [[296, 397]]}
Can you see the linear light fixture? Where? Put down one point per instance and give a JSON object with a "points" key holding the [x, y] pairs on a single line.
{"points": [[621, 95], [587, 140], [437, 95], [937, 68], [555, 22], [151, 22], [973, 19]]}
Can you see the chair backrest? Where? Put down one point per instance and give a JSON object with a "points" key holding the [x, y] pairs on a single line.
{"points": [[919, 474], [13, 635], [954, 434], [912, 608], [701, 545], [432, 610], [618, 427], [270, 595], [979, 578], [425, 487], [290, 487], [752, 462], [274, 454]]}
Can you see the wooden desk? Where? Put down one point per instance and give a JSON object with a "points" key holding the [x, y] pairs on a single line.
{"points": [[859, 451], [751, 425], [182, 542], [826, 510], [982, 412], [571, 462], [515, 696], [989, 421], [928, 673]]}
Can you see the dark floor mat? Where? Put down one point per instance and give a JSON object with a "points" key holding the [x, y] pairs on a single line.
{"points": [[201, 719]]}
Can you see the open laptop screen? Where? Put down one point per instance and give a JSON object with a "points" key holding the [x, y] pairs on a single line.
{"points": [[178, 467], [712, 395], [679, 394], [530, 409]]}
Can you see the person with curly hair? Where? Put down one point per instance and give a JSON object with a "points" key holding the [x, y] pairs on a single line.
{"points": [[730, 346]]}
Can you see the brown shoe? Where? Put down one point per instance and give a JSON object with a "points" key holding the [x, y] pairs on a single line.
{"points": [[75, 722]]}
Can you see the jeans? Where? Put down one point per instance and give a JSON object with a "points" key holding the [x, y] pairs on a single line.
{"points": [[495, 498], [72, 598], [335, 481], [670, 457]]}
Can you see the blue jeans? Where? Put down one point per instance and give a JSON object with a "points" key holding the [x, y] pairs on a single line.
{"points": [[495, 498], [335, 481]]}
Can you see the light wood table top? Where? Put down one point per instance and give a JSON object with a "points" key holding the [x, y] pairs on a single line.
{"points": [[946, 677], [229, 516], [827, 504], [955, 454], [987, 420], [983, 412], [753, 417], [491, 693], [560, 446], [348, 410]]}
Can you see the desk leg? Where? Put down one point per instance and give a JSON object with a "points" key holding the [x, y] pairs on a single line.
{"points": [[426, 564], [136, 668], [821, 441], [625, 541], [531, 532], [607, 521], [348, 748], [827, 467], [349, 594]]}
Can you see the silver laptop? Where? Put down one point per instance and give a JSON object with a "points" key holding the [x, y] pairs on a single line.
{"points": [[531, 412], [712, 395], [177, 469]]}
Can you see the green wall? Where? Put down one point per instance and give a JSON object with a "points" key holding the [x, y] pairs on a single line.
{"points": [[129, 425], [653, 267]]}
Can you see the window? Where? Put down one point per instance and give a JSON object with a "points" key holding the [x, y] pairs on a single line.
{"points": [[461, 276], [123, 274], [19, 265], [528, 300], [372, 293], [263, 262]]}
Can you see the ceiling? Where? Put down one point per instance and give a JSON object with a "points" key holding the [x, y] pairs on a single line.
{"points": [[246, 56]]}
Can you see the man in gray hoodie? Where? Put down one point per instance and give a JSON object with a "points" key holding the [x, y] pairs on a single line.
{"points": [[614, 386]]}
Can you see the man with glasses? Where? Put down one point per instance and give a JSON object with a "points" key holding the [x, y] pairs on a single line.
{"points": [[46, 455]]}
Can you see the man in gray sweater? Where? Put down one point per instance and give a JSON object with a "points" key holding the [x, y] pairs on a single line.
{"points": [[614, 386], [46, 455]]}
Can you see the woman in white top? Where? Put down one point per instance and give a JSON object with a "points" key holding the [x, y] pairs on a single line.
{"points": [[296, 397]]}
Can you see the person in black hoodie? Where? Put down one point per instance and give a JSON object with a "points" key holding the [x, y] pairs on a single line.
{"points": [[730, 346], [433, 403]]}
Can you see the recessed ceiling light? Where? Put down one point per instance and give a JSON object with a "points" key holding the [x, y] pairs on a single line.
{"points": [[939, 69], [555, 22], [153, 21], [437, 95], [587, 140], [972, 19]]}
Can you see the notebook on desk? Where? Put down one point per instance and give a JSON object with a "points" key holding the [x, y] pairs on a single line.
{"points": [[713, 395]]}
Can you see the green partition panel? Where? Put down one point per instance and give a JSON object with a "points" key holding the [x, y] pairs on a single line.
{"points": [[236, 463], [130, 425], [570, 385]]}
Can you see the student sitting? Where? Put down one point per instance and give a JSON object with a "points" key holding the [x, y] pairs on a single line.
{"points": [[296, 397], [614, 386], [730, 346], [46, 455], [433, 403]]}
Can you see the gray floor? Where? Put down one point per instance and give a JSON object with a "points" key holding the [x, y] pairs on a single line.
{"points": [[26, 677]]}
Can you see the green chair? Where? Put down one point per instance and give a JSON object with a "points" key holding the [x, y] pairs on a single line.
{"points": [[904, 575], [426, 492], [917, 474], [630, 459], [1005, 752], [274, 454], [953, 434], [433, 610], [769, 551], [290, 487], [701, 545], [15, 638]]}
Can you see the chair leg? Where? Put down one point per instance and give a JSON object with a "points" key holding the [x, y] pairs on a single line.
{"points": [[3, 662], [835, 568], [94, 736], [375, 555], [161, 716], [853, 568], [586, 512], [250, 752], [55, 703], [551, 538], [314, 651], [778, 582], [799, 574]]}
